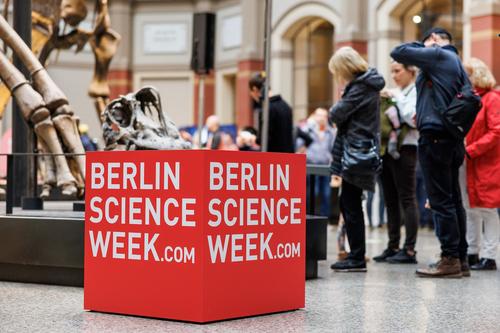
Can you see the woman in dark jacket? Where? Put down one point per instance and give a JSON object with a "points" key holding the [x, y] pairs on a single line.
{"points": [[355, 154]]}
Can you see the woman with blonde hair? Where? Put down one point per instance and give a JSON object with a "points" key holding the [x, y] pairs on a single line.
{"points": [[356, 157], [482, 193]]}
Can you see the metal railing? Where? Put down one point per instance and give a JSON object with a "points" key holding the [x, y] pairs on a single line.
{"points": [[312, 171]]}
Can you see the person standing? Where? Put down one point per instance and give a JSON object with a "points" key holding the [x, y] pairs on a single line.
{"points": [[398, 171], [370, 196], [482, 193], [87, 142], [280, 137], [319, 152], [440, 154], [247, 139], [356, 149], [211, 128]]}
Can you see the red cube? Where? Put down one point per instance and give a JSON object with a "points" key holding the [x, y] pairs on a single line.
{"points": [[194, 235]]}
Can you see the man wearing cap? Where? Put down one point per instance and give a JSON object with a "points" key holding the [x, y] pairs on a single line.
{"points": [[440, 154]]}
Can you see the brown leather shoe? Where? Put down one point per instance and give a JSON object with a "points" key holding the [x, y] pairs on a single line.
{"points": [[447, 267], [464, 267]]}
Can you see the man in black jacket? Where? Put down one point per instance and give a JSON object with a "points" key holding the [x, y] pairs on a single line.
{"points": [[440, 154], [280, 138]]}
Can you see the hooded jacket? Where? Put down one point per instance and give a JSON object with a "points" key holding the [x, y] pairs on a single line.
{"points": [[441, 78], [357, 118], [483, 147]]}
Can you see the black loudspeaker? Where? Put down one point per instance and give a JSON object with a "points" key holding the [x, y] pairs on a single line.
{"points": [[202, 58]]}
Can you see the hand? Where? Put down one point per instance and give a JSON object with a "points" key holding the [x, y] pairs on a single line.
{"points": [[301, 150], [386, 93], [335, 181]]}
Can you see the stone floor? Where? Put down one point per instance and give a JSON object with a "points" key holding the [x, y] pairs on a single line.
{"points": [[389, 298]]}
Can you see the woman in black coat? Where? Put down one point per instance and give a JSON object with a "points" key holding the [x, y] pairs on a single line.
{"points": [[355, 153]]}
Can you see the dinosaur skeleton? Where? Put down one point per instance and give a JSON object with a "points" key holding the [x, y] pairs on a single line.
{"points": [[136, 122], [48, 36], [43, 104]]}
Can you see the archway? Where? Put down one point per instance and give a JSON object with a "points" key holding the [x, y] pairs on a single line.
{"points": [[398, 21], [303, 42], [312, 82], [425, 14]]}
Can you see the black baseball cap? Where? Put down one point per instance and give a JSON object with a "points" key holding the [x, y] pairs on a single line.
{"points": [[438, 31]]}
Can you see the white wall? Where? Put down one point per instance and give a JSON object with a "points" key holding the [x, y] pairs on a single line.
{"points": [[161, 55], [74, 83], [229, 36], [225, 95], [176, 91], [162, 39]]}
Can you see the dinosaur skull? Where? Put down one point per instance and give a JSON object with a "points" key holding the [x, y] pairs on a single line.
{"points": [[136, 122]]}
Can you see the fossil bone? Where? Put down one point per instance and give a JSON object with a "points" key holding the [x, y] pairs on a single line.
{"points": [[136, 122], [40, 102], [48, 36]]}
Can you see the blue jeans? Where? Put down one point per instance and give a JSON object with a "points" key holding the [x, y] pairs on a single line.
{"points": [[381, 204], [323, 190], [440, 159]]}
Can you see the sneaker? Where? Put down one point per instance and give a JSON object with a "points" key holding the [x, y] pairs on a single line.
{"points": [[349, 265], [447, 267], [485, 265], [465, 268], [386, 254], [403, 257], [473, 259]]}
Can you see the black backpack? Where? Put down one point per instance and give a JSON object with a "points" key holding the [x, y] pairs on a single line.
{"points": [[460, 114]]}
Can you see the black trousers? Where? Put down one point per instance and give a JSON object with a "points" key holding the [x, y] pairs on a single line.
{"points": [[399, 186], [440, 159], [350, 207]]}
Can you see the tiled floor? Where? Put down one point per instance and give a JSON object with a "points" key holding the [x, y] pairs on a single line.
{"points": [[389, 298]]}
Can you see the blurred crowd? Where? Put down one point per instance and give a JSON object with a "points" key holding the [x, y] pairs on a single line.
{"points": [[424, 154]]}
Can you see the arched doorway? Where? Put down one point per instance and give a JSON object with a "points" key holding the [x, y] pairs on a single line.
{"points": [[398, 21], [303, 42], [422, 15], [312, 82]]}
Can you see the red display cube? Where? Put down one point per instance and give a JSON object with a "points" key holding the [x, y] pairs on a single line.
{"points": [[194, 235]]}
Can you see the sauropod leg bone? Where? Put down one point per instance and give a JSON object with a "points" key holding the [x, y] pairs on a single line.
{"points": [[68, 131]]}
